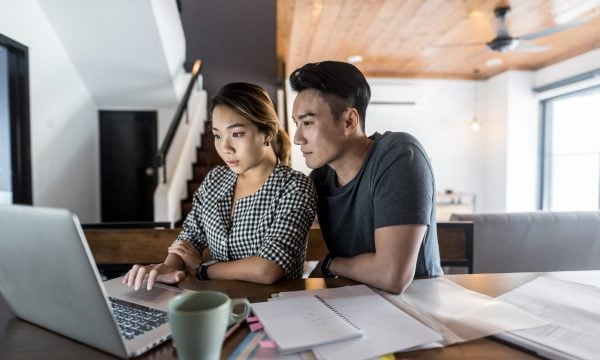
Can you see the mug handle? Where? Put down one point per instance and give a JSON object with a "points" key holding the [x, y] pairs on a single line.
{"points": [[234, 318]]}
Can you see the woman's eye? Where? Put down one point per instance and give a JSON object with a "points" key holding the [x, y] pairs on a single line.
{"points": [[237, 134], [217, 137]]}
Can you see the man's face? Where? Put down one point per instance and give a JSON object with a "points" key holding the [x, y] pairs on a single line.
{"points": [[320, 136]]}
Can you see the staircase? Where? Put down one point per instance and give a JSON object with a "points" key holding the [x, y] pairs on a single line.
{"points": [[206, 159]]}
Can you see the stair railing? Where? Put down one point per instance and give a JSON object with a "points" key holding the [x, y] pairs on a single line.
{"points": [[182, 108]]}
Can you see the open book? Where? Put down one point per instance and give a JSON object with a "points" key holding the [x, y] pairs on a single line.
{"points": [[302, 322]]}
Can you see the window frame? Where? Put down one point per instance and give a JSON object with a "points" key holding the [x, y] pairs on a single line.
{"points": [[545, 165]]}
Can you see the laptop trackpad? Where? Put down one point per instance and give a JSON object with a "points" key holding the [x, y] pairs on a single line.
{"points": [[157, 295]]}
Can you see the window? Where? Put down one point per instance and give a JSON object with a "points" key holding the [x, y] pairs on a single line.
{"points": [[571, 151]]}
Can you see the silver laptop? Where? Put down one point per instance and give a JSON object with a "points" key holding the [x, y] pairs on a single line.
{"points": [[48, 277]]}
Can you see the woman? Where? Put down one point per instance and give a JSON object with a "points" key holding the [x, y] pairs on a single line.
{"points": [[252, 215]]}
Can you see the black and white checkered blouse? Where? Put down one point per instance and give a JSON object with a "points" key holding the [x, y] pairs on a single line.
{"points": [[272, 223]]}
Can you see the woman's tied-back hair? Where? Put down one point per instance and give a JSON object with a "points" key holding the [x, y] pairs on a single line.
{"points": [[253, 103], [341, 85]]}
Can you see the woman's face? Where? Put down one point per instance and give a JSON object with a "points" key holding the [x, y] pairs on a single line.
{"points": [[238, 141]]}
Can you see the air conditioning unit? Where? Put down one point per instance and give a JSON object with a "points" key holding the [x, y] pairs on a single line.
{"points": [[394, 94]]}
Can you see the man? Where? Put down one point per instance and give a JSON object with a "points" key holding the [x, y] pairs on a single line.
{"points": [[376, 195]]}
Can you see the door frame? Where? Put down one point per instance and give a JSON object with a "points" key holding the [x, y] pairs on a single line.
{"points": [[18, 90]]}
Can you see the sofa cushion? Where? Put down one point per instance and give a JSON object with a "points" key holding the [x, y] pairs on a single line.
{"points": [[535, 241]]}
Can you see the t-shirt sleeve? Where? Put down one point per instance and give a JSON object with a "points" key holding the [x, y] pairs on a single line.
{"points": [[403, 188], [286, 239]]}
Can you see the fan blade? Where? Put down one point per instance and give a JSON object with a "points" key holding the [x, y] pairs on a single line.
{"points": [[552, 30], [456, 45], [524, 47]]}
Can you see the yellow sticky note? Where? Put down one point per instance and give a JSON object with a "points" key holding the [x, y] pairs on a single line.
{"points": [[387, 357]]}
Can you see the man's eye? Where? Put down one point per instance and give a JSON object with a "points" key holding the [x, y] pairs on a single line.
{"points": [[307, 123]]}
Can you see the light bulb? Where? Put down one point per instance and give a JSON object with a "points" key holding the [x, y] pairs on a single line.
{"points": [[475, 125]]}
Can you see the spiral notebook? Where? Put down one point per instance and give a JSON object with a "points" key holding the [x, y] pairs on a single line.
{"points": [[303, 322]]}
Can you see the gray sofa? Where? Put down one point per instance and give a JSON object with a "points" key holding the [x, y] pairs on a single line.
{"points": [[535, 241]]}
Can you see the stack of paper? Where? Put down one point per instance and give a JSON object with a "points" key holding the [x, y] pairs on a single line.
{"points": [[570, 308], [386, 329]]}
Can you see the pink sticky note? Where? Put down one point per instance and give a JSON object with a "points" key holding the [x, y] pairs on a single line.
{"points": [[267, 344], [256, 326], [251, 319]]}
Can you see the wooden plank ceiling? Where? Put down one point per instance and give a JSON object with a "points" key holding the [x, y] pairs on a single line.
{"points": [[421, 38]]}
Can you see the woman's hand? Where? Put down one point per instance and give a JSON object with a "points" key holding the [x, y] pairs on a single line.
{"points": [[152, 273], [190, 256]]}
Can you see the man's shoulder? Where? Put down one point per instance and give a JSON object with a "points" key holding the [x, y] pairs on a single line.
{"points": [[319, 175], [390, 140]]}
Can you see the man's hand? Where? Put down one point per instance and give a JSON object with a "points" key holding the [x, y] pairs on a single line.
{"points": [[190, 256], [152, 273]]}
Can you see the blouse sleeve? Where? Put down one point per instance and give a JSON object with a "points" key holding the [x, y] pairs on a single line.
{"points": [[193, 230], [286, 239]]}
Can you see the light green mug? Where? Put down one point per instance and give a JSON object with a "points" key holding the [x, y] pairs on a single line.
{"points": [[198, 322]]}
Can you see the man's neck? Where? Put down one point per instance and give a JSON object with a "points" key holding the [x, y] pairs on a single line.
{"points": [[349, 164]]}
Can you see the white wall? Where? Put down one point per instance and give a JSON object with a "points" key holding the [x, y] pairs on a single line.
{"points": [[64, 137], [581, 64], [522, 148], [130, 54]]}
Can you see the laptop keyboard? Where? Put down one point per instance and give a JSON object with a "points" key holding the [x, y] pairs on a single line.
{"points": [[135, 319]]}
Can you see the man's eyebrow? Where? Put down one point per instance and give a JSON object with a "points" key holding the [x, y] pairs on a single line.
{"points": [[231, 126], [304, 115]]}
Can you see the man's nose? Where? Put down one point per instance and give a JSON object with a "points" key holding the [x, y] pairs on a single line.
{"points": [[299, 137]]}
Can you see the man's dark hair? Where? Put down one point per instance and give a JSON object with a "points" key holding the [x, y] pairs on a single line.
{"points": [[341, 85]]}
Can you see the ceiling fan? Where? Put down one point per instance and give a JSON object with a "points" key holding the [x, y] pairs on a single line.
{"points": [[504, 42]]}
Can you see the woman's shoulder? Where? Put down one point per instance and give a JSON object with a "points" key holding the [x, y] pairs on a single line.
{"points": [[218, 175], [293, 179]]}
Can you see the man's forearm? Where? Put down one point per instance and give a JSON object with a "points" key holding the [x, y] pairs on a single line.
{"points": [[368, 269]]}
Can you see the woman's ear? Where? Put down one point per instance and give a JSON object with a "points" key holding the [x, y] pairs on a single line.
{"points": [[268, 139]]}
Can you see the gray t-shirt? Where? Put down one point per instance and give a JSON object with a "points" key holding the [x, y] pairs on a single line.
{"points": [[394, 186]]}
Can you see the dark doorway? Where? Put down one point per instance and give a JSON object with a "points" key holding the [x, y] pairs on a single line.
{"points": [[127, 152], [15, 150]]}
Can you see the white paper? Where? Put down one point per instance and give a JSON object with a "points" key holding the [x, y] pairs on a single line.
{"points": [[591, 278], [387, 329], [299, 323], [459, 314], [572, 309]]}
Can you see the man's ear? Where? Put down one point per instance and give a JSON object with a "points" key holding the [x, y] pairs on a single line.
{"points": [[351, 121]]}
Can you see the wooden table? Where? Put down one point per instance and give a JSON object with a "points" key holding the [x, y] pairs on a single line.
{"points": [[22, 340]]}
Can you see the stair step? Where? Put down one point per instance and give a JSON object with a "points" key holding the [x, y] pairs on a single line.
{"points": [[207, 141], [208, 157], [186, 207], [193, 185], [200, 171]]}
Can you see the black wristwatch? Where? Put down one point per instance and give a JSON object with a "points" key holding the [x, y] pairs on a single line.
{"points": [[201, 272], [325, 266]]}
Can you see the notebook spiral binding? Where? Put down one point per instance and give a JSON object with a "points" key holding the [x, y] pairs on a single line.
{"points": [[337, 313]]}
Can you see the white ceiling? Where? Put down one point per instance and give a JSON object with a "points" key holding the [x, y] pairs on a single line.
{"points": [[129, 53]]}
